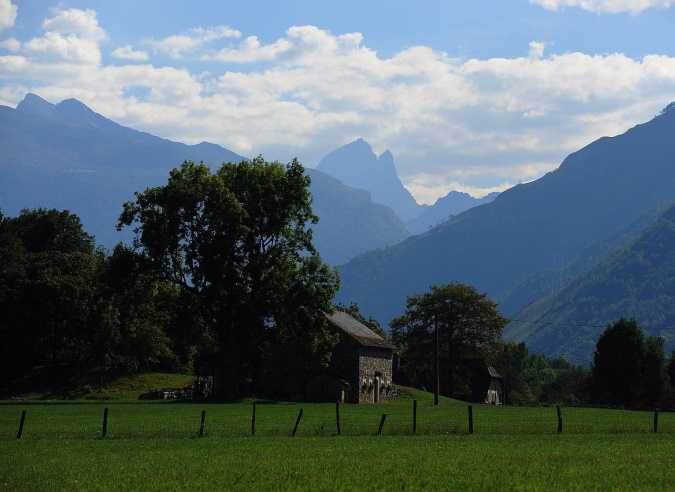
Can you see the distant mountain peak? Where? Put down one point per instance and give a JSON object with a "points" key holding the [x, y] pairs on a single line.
{"points": [[35, 105], [31, 98], [361, 145], [445, 207], [74, 111], [386, 163], [386, 158], [69, 110], [356, 165]]}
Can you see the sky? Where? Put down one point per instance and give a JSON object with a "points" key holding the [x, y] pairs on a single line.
{"points": [[469, 96]]}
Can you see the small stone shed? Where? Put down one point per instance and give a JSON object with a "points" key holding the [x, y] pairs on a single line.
{"points": [[495, 392], [360, 369]]}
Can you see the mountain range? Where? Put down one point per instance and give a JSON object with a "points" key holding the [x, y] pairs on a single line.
{"points": [[527, 233], [445, 208], [356, 165], [68, 157]]}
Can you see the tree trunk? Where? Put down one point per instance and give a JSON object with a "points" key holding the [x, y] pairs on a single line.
{"points": [[226, 380]]}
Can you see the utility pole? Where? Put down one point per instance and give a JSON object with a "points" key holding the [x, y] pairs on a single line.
{"points": [[437, 372]]}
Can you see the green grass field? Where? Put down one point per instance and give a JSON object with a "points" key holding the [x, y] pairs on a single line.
{"points": [[155, 445]]}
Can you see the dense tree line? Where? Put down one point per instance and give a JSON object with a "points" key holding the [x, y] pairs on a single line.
{"points": [[629, 369], [532, 379], [223, 272], [63, 302]]}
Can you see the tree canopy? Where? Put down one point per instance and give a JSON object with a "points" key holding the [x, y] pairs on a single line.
{"points": [[469, 327], [239, 242], [629, 369], [47, 272]]}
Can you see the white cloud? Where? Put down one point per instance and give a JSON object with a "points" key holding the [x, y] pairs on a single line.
{"points": [[606, 6], [536, 50], [11, 44], [73, 35], [75, 21], [250, 51], [302, 45], [8, 13], [12, 66], [127, 52], [471, 125], [178, 45]]}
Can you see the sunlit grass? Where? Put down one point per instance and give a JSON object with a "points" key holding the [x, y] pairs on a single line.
{"points": [[458, 462], [129, 420], [155, 446]]}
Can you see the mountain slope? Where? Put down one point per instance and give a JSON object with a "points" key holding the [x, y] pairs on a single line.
{"points": [[350, 223], [356, 165], [596, 191], [65, 156], [637, 280], [544, 282]]}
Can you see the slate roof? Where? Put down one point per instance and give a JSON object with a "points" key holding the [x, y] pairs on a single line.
{"points": [[358, 331], [493, 372]]}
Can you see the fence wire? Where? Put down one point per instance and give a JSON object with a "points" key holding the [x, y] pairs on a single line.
{"points": [[182, 420]]}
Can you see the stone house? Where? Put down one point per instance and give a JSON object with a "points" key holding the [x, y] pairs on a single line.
{"points": [[360, 369]]}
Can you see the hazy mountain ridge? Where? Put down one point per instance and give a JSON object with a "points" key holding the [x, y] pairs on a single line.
{"points": [[637, 280], [595, 192], [66, 156], [356, 165], [451, 204], [73, 111], [350, 223]]}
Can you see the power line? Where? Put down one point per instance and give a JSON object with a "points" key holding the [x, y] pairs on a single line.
{"points": [[556, 323], [581, 325]]}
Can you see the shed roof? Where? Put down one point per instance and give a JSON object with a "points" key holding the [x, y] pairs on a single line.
{"points": [[358, 331]]}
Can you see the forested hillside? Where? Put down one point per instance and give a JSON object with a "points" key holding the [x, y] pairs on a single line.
{"points": [[637, 281]]}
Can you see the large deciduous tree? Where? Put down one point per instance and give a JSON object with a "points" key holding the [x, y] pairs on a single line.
{"points": [[629, 369], [239, 242], [469, 329], [48, 269]]}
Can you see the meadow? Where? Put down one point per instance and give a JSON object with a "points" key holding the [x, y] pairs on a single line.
{"points": [[155, 445]]}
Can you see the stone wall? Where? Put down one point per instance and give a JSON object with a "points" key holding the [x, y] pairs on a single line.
{"points": [[375, 375]]}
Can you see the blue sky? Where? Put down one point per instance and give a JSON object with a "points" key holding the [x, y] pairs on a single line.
{"points": [[471, 96]]}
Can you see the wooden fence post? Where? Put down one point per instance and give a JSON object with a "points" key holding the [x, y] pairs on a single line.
{"points": [[253, 421], [414, 416], [23, 419], [560, 422], [297, 423], [201, 425], [337, 417], [656, 420], [104, 432], [384, 417], [470, 419]]}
